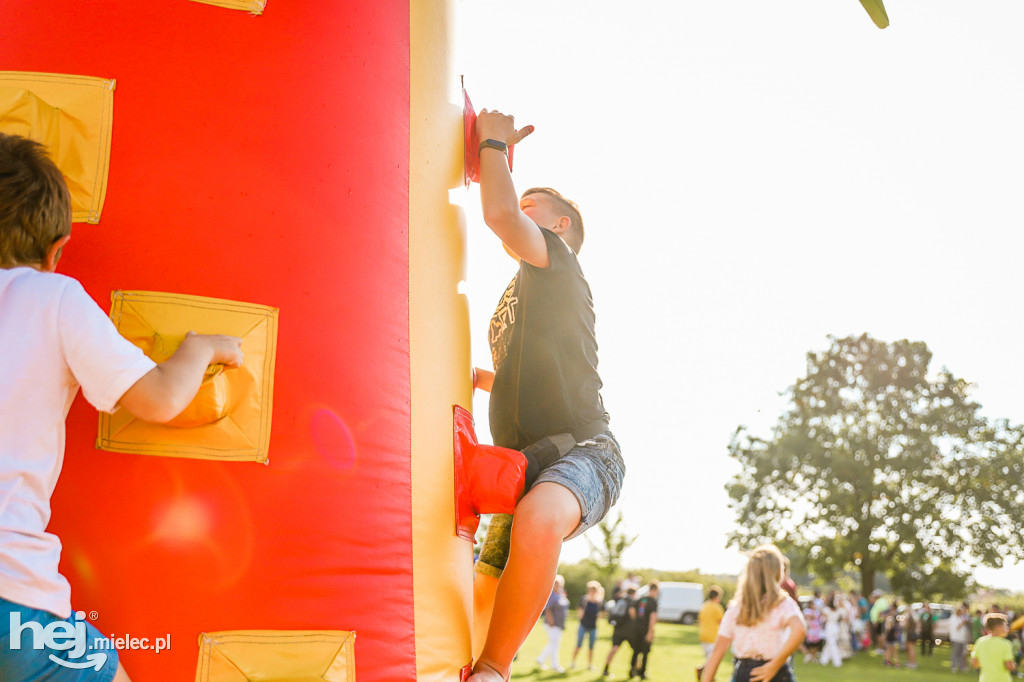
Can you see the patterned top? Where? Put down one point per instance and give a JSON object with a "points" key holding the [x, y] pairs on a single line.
{"points": [[764, 640]]}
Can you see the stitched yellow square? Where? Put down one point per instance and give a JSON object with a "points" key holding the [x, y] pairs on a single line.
{"points": [[276, 656], [72, 116], [229, 419]]}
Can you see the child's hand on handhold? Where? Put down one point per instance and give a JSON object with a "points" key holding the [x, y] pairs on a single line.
{"points": [[494, 125], [227, 350]]}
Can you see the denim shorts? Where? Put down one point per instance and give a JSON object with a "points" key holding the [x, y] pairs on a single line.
{"points": [[75, 661], [592, 471], [742, 667], [583, 633]]}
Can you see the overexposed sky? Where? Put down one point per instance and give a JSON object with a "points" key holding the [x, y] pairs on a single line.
{"points": [[753, 177]]}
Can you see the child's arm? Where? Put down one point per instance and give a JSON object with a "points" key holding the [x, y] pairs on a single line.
{"points": [[167, 389], [766, 672], [483, 379], [722, 645], [498, 195]]}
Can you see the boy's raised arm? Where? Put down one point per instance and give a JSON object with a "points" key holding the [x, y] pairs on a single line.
{"points": [[167, 389], [498, 195]]}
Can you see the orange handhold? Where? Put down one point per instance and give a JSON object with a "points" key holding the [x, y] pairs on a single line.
{"points": [[488, 479]]}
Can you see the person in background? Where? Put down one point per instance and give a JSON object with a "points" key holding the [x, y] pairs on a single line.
{"points": [[590, 607], [831, 615], [927, 619], [621, 618], [763, 624], [815, 632], [959, 634], [879, 605], [911, 632], [788, 584], [854, 619], [708, 620], [976, 625], [891, 627], [848, 615], [993, 653], [643, 631], [554, 623]]}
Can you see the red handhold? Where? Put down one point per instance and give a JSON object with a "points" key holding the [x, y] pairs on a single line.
{"points": [[466, 671], [471, 169], [488, 479]]}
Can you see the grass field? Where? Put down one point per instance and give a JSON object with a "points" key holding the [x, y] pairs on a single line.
{"points": [[677, 652]]}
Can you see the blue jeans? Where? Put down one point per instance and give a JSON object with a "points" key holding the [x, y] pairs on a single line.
{"points": [[37, 645]]}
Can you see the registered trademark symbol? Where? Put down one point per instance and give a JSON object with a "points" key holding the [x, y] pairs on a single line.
{"points": [[93, 615]]}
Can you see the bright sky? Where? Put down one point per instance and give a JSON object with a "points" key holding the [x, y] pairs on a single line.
{"points": [[753, 177]]}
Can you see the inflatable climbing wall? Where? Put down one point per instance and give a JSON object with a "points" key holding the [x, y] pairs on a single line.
{"points": [[277, 171]]}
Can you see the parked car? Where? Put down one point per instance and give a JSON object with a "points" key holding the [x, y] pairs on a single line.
{"points": [[941, 613], [678, 602]]}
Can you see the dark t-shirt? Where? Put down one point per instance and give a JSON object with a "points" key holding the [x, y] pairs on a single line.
{"points": [[545, 354], [645, 608], [591, 610]]}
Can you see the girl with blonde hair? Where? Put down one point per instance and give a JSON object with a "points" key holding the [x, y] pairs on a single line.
{"points": [[590, 608], [763, 624]]}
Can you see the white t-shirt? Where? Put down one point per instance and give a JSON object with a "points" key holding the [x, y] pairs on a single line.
{"points": [[959, 629], [53, 339], [765, 639]]}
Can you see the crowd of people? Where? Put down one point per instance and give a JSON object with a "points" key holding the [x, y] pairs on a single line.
{"points": [[767, 623], [831, 628], [632, 616]]}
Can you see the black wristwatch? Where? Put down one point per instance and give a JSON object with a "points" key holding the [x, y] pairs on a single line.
{"points": [[493, 144]]}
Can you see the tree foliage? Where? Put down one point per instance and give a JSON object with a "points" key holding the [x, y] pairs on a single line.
{"points": [[606, 556], [879, 465]]}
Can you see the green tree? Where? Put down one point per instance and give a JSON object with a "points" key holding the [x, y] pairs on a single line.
{"points": [[878, 465], [606, 556]]}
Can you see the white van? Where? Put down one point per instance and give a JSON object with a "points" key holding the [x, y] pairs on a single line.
{"points": [[678, 602]]}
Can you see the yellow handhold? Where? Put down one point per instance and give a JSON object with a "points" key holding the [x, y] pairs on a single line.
{"points": [[277, 656], [876, 10], [231, 415]]}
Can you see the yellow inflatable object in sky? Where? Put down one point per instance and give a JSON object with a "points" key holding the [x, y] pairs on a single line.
{"points": [[876, 10]]}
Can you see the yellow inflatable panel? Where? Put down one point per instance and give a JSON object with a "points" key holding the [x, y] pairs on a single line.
{"points": [[439, 353], [72, 116], [276, 656], [230, 417], [250, 6]]}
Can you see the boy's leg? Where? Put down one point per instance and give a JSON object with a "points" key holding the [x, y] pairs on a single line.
{"points": [[611, 655], [484, 588], [544, 517], [493, 557], [634, 660]]}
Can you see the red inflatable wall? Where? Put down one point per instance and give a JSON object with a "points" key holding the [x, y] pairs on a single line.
{"points": [[259, 159]]}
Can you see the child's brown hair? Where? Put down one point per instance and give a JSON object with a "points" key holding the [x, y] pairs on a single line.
{"points": [[992, 620], [35, 205]]}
